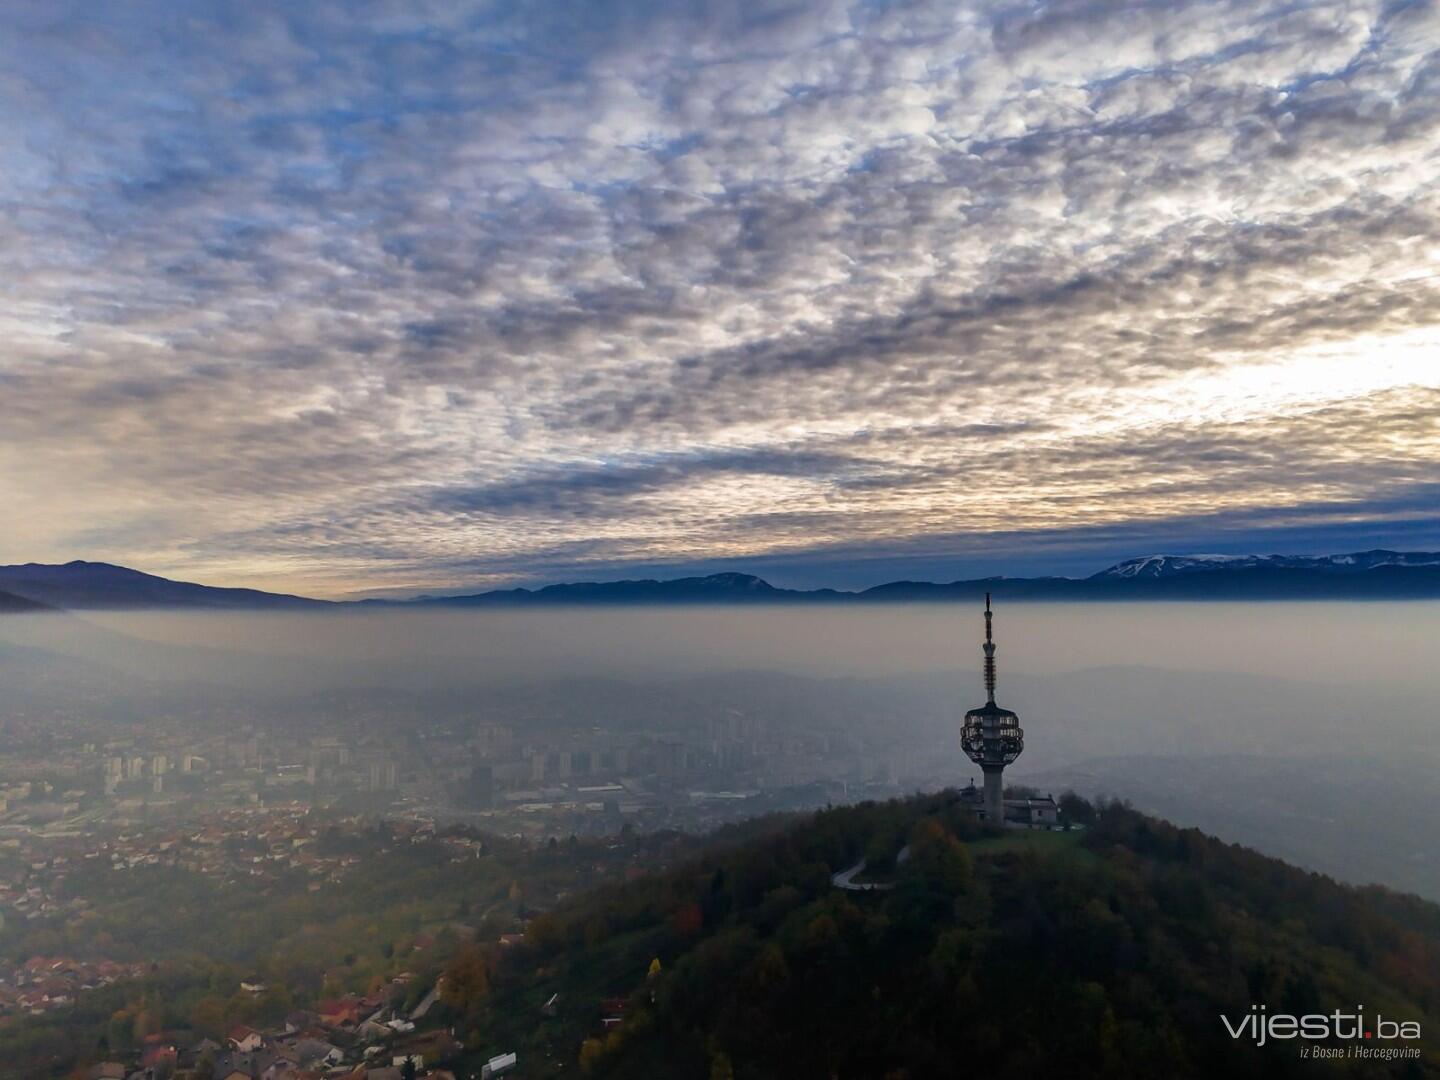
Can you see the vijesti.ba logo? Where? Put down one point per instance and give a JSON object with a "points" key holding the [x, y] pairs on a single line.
{"points": [[1262, 1026]]}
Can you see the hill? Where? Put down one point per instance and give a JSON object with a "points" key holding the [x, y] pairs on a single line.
{"points": [[714, 588], [1111, 951], [90, 585], [10, 604]]}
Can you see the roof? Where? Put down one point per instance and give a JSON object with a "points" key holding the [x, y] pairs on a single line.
{"points": [[990, 709]]}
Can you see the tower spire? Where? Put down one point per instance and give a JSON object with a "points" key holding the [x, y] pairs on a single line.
{"points": [[989, 652]]}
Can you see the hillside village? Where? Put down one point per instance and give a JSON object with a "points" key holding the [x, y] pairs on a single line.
{"points": [[274, 942], [258, 849], [372, 1037]]}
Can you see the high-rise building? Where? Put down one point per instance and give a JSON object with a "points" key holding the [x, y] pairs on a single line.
{"points": [[481, 789], [992, 736], [384, 775]]}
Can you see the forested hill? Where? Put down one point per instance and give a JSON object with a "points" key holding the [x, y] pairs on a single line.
{"points": [[1109, 951]]}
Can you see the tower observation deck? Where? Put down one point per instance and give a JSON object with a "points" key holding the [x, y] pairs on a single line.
{"points": [[991, 736]]}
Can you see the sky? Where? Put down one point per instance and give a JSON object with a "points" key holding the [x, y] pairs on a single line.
{"points": [[347, 298]]}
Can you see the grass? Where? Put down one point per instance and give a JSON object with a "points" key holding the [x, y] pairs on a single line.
{"points": [[1041, 841]]}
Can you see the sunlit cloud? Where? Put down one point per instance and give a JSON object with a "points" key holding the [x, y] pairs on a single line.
{"points": [[354, 295]]}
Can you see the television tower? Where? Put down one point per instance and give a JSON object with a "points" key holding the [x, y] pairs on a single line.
{"points": [[991, 736]]}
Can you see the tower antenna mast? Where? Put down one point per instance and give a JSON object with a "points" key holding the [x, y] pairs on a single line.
{"points": [[989, 651]]}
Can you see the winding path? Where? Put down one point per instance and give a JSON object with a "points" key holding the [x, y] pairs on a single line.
{"points": [[845, 878]]}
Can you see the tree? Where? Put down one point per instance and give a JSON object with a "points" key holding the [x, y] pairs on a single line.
{"points": [[467, 979], [688, 920], [208, 1017], [1075, 810], [119, 1032], [944, 860], [591, 1051]]}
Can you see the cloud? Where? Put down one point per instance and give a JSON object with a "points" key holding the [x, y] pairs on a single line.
{"points": [[376, 293]]}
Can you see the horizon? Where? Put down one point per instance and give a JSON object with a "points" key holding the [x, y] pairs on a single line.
{"points": [[661, 575]]}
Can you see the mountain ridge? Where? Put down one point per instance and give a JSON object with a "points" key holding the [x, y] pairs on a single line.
{"points": [[1161, 566], [83, 585], [1377, 574]]}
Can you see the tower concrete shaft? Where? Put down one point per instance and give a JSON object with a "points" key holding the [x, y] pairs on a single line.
{"points": [[994, 793]]}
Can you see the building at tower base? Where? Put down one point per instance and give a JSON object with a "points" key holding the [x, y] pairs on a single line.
{"points": [[1028, 812]]}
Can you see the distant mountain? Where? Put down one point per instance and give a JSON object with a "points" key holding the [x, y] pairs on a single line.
{"points": [[715, 588], [10, 604], [1394, 575], [88, 585], [1169, 566], [1361, 575]]}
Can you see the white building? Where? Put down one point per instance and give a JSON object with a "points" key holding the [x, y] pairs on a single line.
{"points": [[498, 1066]]}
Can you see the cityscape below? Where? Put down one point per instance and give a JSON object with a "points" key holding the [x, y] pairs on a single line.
{"points": [[155, 776]]}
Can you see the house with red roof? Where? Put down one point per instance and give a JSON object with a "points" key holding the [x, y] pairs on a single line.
{"points": [[245, 1039]]}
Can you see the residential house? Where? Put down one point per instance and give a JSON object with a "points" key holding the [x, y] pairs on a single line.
{"points": [[159, 1057], [245, 1039], [432, 1046], [345, 1012], [299, 1020]]}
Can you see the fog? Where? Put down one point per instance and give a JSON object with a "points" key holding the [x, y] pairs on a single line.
{"points": [[1378, 646], [1307, 730]]}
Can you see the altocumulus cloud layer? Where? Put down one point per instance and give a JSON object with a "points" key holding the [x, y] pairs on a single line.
{"points": [[404, 294]]}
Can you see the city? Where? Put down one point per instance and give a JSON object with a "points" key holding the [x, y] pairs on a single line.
{"points": [[256, 809]]}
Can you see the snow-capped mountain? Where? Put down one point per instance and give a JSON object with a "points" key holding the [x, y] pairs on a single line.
{"points": [[1165, 566]]}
